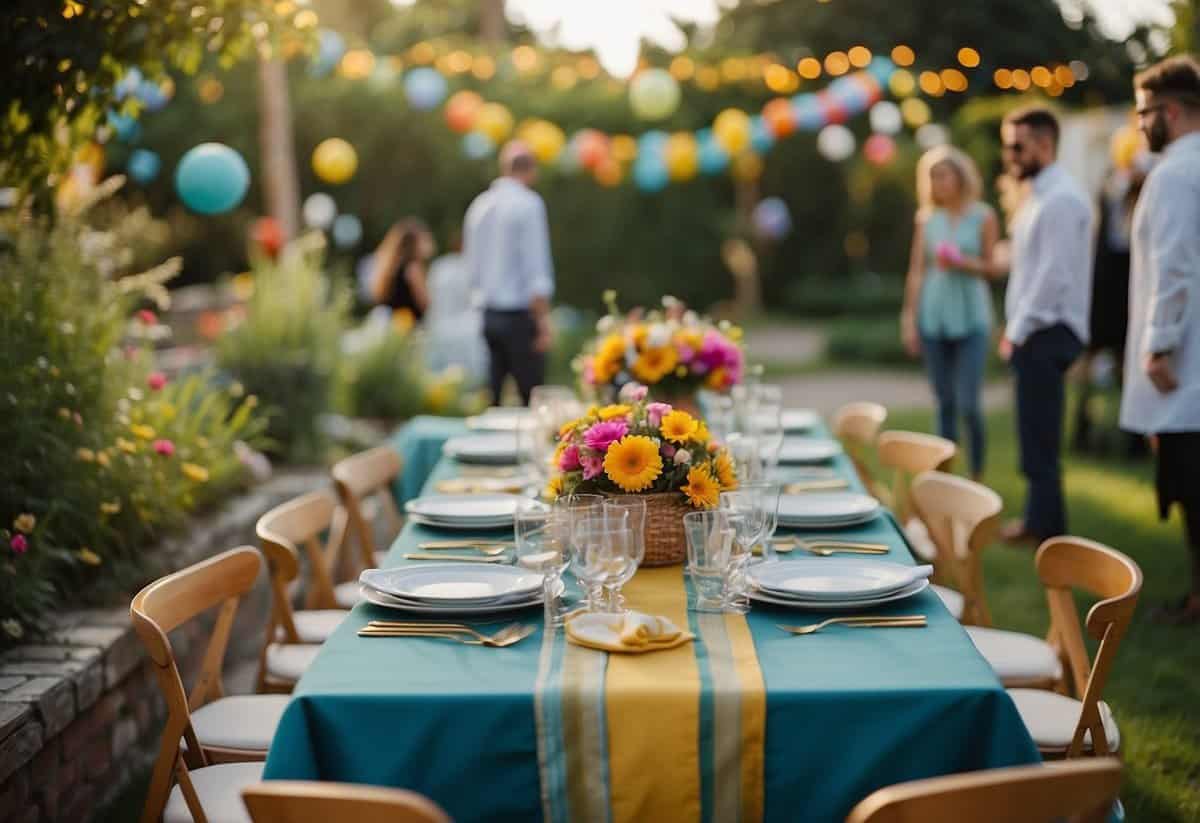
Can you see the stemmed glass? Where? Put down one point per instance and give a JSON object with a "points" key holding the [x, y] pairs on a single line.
{"points": [[575, 508], [603, 550], [542, 536], [635, 508], [767, 494], [709, 551], [722, 416], [748, 517], [768, 430], [745, 450]]}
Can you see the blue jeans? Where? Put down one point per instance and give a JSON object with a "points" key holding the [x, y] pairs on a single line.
{"points": [[955, 367]]}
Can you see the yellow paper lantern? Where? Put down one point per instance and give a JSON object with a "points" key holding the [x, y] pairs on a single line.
{"points": [[915, 111], [545, 140], [681, 156], [902, 83], [747, 167], [622, 148], [495, 121], [1126, 143], [732, 130], [608, 173], [334, 160]]}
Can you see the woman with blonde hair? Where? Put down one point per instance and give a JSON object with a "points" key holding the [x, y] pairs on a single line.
{"points": [[947, 313], [398, 280]]}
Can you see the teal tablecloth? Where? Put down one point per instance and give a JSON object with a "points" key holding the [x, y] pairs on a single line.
{"points": [[847, 712], [419, 443]]}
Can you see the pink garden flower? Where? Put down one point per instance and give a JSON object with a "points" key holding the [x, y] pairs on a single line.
{"points": [[593, 465], [19, 544], [568, 461], [603, 435], [668, 451], [655, 412], [156, 380], [633, 392], [164, 447], [147, 317]]}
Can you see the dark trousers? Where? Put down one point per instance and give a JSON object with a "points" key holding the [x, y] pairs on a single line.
{"points": [[955, 367], [1040, 365], [510, 336]]}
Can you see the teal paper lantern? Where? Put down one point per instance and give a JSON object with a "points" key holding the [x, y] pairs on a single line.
{"points": [[143, 166], [212, 178]]}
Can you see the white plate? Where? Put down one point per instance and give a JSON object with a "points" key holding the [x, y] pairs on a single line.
{"points": [[372, 596], [491, 449], [461, 526], [467, 508], [832, 606], [809, 450], [822, 525], [503, 419], [831, 579], [446, 582], [827, 507], [799, 420]]}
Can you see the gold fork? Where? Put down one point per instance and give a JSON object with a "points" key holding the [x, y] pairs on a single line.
{"points": [[489, 549], [455, 558], [904, 621], [786, 544], [507, 636]]}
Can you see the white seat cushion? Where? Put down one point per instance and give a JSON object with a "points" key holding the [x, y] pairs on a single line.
{"points": [[380, 557], [220, 791], [287, 661], [246, 721], [1016, 656], [315, 625], [953, 601], [1052, 717], [347, 594], [918, 537]]}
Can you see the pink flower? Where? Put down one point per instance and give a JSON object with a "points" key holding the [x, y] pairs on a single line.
{"points": [[668, 451], [19, 544], [603, 435], [568, 461], [686, 353], [589, 373], [147, 317], [633, 392], [655, 412], [156, 380], [164, 447], [593, 465]]}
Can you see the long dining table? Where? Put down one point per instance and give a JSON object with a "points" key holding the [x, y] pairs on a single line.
{"points": [[746, 723]]}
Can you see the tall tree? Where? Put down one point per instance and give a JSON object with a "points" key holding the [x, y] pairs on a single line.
{"points": [[491, 21]]}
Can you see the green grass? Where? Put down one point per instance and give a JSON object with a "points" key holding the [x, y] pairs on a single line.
{"points": [[1154, 689]]}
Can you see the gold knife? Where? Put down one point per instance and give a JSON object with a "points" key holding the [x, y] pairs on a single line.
{"points": [[460, 544], [815, 486], [452, 558]]}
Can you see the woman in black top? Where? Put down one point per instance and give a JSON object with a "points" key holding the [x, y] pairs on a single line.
{"points": [[399, 277]]}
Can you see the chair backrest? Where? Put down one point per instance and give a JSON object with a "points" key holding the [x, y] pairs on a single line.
{"points": [[908, 454], [1081, 791], [857, 425], [297, 801], [296, 526], [163, 606], [1068, 563], [962, 517], [363, 476]]}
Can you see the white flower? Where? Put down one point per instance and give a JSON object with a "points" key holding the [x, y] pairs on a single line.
{"points": [[658, 336], [668, 301], [690, 318], [683, 456], [606, 324]]}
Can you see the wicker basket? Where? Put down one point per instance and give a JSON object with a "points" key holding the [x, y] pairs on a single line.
{"points": [[666, 543]]}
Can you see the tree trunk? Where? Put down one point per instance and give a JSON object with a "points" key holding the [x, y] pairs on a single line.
{"points": [[491, 21], [281, 187]]}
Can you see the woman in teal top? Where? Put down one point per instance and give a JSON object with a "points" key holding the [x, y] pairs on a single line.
{"points": [[947, 312]]}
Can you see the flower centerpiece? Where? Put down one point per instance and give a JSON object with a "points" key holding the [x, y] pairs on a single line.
{"points": [[674, 351], [646, 448]]}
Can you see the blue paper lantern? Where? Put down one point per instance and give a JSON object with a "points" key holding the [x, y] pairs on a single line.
{"points": [[129, 83], [477, 145], [881, 69], [211, 178], [650, 173], [127, 129], [347, 231], [761, 138], [771, 218], [330, 48], [151, 95], [712, 158], [143, 166], [652, 144], [424, 88], [851, 93], [809, 115]]}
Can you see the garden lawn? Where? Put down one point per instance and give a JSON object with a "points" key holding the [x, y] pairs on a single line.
{"points": [[1154, 689]]}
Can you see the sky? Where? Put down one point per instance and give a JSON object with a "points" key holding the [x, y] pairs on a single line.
{"points": [[614, 28]]}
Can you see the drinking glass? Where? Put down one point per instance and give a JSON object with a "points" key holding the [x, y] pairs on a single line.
{"points": [[574, 508], [542, 537], [768, 494], [709, 549], [747, 513], [722, 416], [744, 449], [603, 550], [635, 507], [768, 430]]}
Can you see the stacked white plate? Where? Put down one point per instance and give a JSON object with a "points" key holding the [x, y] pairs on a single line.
{"points": [[452, 588], [801, 450], [834, 585], [464, 511], [826, 510], [799, 420], [492, 449], [498, 419]]}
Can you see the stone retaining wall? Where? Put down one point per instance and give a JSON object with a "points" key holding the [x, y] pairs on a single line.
{"points": [[80, 712]]}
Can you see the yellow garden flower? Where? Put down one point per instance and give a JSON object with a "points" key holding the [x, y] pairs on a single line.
{"points": [[102, 458], [110, 508], [553, 489], [127, 446], [88, 556], [702, 434], [633, 463], [86, 455], [191, 471], [609, 357], [568, 427], [725, 471], [653, 365], [143, 431], [690, 338], [679, 426], [25, 523], [702, 489], [615, 410], [716, 378]]}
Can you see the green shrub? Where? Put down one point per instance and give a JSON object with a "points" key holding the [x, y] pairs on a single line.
{"points": [[869, 341], [287, 347], [859, 296]]}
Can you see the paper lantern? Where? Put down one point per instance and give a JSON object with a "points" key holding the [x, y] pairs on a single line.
{"points": [[885, 117], [712, 158], [623, 148], [318, 211], [129, 83], [211, 178], [651, 144], [545, 140], [747, 167], [654, 94], [267, 234], [143, 166], [915, 112], [424, 88], [477, 145], [152, 95], [680, 156], [835, 142], [495, 121], [932, 134], [771, 218], [761, 139], [334, 160], [732, 130], [650, 173], [780, 117], [808, 112], [592, 148], [347, 231], [127, 129], [879, 149], [1125, 146], [832, 108], [461, 109], [330, 48], [608, 173]]}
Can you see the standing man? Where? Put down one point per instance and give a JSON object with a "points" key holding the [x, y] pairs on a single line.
{"points": [[506, 241], [1162, 359], [1047, 304]]}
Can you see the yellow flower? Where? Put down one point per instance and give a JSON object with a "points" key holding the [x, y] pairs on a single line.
{"points": [[609, 358], [168, 411], [725, 471], [639, 334], [127, 446], [110, 508], [681, 372], [735, 333], [702, 434], [679, 426], [654, 364], [403, 320], [25, 523], [690, 338], [89, 557], [64, 413], [633, 463], [102, 458], [702, 490], [716, 378], [568, 428], [554, 488], [86, 455], [143, 431], [615, 410], [202, 442], [193, 472]]}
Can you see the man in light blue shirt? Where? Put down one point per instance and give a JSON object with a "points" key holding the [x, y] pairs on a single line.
{"points": [[1047, 304], [506, 242]]}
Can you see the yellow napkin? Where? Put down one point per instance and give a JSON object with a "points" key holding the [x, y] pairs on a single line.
{"points": [[634, 632]]}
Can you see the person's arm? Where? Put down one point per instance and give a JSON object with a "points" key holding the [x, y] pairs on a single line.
{"points": [[469, 252], [1174, 259], [414, 273], [540, 267], [988, 264], [912, 289]]}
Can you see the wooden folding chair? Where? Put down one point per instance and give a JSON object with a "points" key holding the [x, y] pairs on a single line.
{"points": [[1064, 726], [364, 485], [857, 425], [908, 454], [961, 518], [297, 801], [1078, 792], [212, 745]]}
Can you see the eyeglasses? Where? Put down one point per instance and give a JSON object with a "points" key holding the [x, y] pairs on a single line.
{"points": [[1148, 110]]}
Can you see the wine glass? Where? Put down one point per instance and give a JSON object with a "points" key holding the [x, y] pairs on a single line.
{"points": [[722, 416], [709, 550], [603, 550], [768, 494], [635, 507], [542, 537], [768, 430], [574, 508], [744, 449], [748, 517]]}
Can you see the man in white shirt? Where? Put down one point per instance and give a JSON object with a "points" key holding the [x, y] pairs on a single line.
{"points": [[1162, 359], [506, 241], [1047, 304]]}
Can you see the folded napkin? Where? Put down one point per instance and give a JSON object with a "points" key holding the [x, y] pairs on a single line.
{"points": [[920, 573], [633, 632]]}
